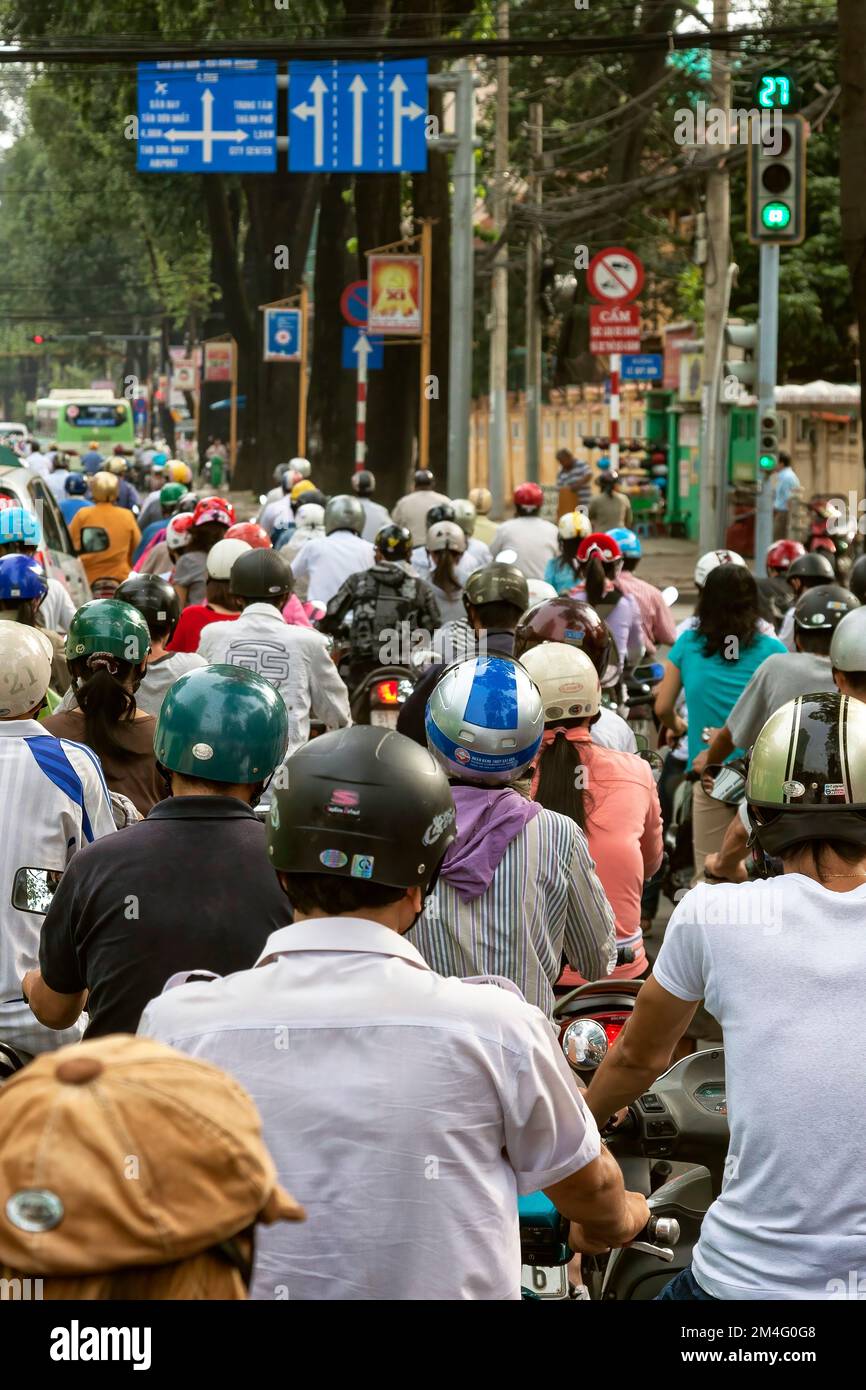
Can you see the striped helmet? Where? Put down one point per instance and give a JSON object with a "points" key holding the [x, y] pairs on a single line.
{"points": [[807, 773], [485, 720]]}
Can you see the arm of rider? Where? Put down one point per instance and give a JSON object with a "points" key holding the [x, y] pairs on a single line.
{"points": [[643, 1050], [589, 940], [601, 1212], [338, 607], [666, 699], [329, 698], [636, 643], [721, 746], [429, 616], [50, 1008], [727, 863]]}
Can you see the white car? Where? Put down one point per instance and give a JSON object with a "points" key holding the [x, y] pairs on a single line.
{"points": [[61, 561]]}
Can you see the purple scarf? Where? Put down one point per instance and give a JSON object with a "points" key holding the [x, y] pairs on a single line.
{"points": [[487, 821]]}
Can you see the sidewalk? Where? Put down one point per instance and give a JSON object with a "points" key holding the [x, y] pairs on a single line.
{"points": [[668, 561]]}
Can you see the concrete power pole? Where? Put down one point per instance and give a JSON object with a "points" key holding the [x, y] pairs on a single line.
{"points": [[713, 462], [533, 310], [498, 432]]}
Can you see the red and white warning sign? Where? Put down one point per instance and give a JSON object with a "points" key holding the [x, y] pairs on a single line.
{"points": [[615, 275], [614, 328]]}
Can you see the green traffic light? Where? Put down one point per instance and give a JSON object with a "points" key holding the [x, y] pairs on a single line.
{"points": [[774, 91], [767, 461], [776, 216]]}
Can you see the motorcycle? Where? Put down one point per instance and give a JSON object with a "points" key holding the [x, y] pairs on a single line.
{"points": [[830, 535], [379, 692]]}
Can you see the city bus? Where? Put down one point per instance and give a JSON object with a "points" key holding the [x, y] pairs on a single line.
{"points": [[72, 418]]}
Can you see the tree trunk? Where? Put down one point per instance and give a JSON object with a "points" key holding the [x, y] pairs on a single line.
{"points": [[852, 145], [331, 417]]}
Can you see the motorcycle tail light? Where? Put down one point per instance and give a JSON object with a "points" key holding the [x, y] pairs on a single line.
{"points": [[612, 1030], [386, 692]]}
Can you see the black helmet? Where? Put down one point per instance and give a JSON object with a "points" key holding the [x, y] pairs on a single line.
{"points": [[813, 566], [395, 542], [497, 583], [568, 620], [807, 773], [821, 608], [154, 598], [363, 483], [261, 574], [365, 803], [423, 477], [857, 578], [442, 512], [187, 503], [314, 495]]}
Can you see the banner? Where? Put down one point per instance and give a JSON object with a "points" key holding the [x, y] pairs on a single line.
{"points": [[183, 374], [395, 294], [218, 361]]}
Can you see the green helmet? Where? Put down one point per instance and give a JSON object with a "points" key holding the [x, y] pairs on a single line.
{"points": [[171, 494], [108, 625], [222, 724], [807, 773]]}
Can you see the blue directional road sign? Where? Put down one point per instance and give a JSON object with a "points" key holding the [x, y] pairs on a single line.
{"points": [[375, 357], [282, 335], [358, 117], [641, 366], [215, 116]]}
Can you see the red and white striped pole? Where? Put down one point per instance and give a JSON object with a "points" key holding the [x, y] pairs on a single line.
{"points": [[614, 410], [362, 349]]}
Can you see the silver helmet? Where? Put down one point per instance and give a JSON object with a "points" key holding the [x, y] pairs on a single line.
{"points": [[485, 721], [848, 648], [464, 514], [344, 513]]}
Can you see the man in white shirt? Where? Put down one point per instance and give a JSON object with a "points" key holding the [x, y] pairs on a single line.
{"points": [[327, 563], [38, 462], [411, 1109], [534, 540], [294, 659], [54, 801], [411, 511]]}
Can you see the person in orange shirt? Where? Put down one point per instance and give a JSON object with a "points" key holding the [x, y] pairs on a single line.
{"points": [[122, 528]]}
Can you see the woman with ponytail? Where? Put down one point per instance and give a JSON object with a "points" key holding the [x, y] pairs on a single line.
{"points": [[611, 795], [600, 561], [446, 567], [107, 651]]}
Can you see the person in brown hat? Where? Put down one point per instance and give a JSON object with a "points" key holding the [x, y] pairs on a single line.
{"points": [[131, 1171]]}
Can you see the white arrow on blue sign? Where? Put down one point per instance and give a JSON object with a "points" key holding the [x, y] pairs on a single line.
{"points": [[282, 335], [352, 346], [358, 117], [212, 116]]}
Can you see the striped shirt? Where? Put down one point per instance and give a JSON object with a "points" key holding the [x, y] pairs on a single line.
{"points": [[545, 901], [54, 801]]}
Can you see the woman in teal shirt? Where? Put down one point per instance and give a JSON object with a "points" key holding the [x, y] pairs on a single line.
{"points": [[712, 663]]}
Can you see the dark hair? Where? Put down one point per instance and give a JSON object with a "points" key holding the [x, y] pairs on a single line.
{"points": [[848, 851], [856, 679], [445, 575], [204, 537], [815, 640], [568, 551], [499, 616], [278, 601], [218, 591], [22, 608], [559, 786], [595, 578], [727, 608], [105, 702], [630, 562], [333, 895]]}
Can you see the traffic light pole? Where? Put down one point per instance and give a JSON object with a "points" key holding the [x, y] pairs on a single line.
{"points": [[768, 350]]}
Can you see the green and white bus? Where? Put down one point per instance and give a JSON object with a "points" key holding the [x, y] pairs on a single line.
{"points": [[72, 418]]}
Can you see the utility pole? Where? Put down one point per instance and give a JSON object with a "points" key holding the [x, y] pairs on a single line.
{"points": [[534, 247], [768, 353], [498, 431], [714, 472]]}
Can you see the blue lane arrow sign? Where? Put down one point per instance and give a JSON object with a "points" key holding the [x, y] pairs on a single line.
{"points": [[351, 346], [357, 117]]}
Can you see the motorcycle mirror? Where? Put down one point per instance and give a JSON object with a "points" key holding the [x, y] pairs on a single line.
{"points": [[33, 889], [654, 759], [670, 595], [93, 540]]}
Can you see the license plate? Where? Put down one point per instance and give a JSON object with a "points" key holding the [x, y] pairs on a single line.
{"points": [[388, 717], [545, 1281]]}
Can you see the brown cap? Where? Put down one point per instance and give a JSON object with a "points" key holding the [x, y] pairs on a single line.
{"points": [[121, 1152]]}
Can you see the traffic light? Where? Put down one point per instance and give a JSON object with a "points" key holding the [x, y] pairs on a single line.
{"points": [[40, 338], [742, 369], [775, 91], [777, 183], [768, 453]]}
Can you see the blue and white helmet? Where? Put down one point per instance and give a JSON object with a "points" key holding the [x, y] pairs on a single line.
{"points": [[627, 541], [485, 720]]}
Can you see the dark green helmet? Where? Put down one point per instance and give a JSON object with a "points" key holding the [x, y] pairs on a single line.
{"points": [[807, 773], [170, 495], [497, 583], [222, 724], [364, 803], [108, 625]]}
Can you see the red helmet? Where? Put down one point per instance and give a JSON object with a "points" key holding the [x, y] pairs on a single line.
{"points": [[214, 509], [528, 497], [251, 532], [782, 554], [566, 620], [600, 544]]}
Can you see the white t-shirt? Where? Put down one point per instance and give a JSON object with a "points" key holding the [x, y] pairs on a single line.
{"points": [[780, 963], [535, 540], [610, 730], [327, 563]]}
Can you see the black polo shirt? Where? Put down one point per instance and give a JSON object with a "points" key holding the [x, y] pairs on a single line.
{"points": [[188, 888]]}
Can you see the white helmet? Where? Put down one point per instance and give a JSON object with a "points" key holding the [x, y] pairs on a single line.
{"points": [[481, 499], [445, 535], [573, 526], [310, 516], [222, 556], [178, 539], [301, 466], [484, 720], [848, 647], [464, 514], [539, 591], [712, 560], [567, 679], [25, 669]]}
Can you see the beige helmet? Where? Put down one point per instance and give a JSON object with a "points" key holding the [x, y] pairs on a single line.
{"points": [[25, 669], [117, 465], [445, 535], [464, 514], [481, 499], [222, 556], [573, 526], [104, 487], [567, 679]]}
